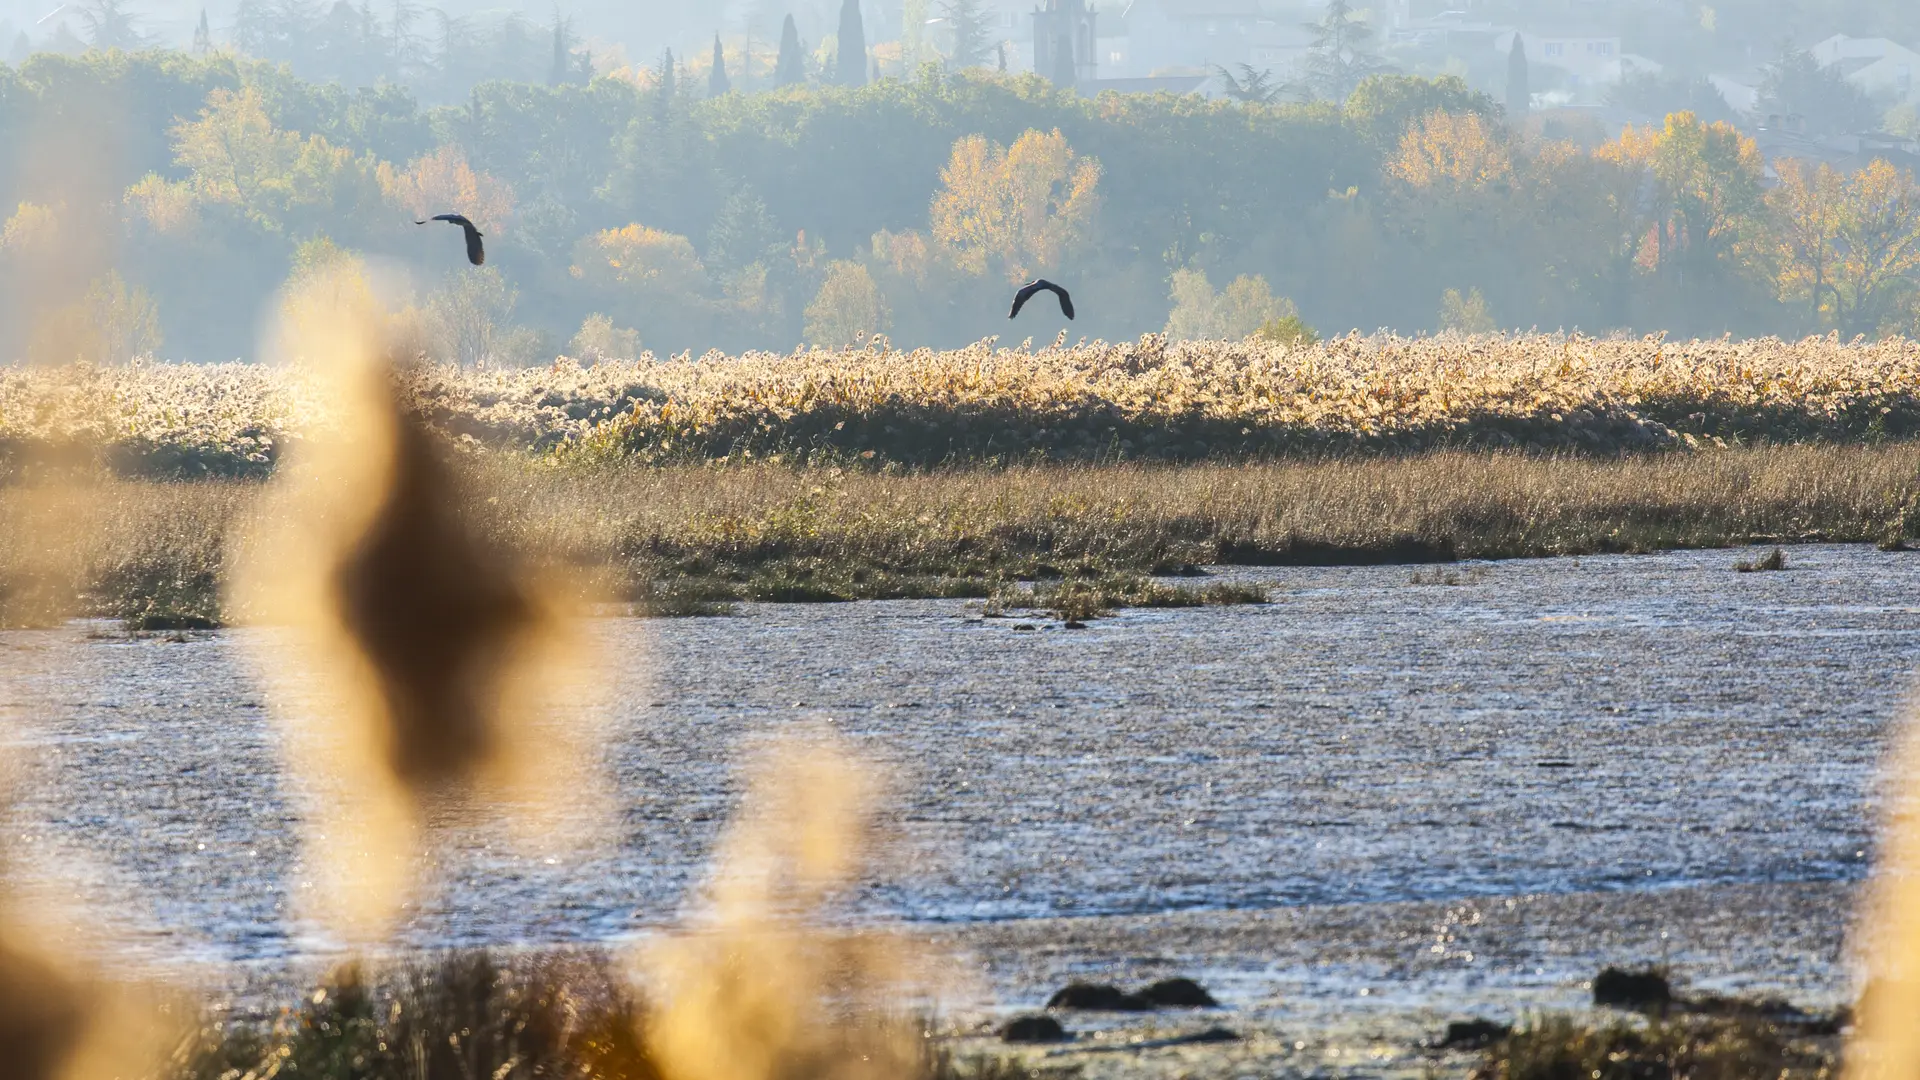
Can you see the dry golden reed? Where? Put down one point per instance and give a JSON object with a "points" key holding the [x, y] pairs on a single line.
{"points": [[760, 987], [433, 652], [1144, 399]]}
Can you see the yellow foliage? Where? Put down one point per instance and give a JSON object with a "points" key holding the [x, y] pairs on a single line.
{"points": [[443, 183], [1016, 211], [166, 207], [1461, 152], [1846, 242], [638, 257], [31, 228], [233, 151]]}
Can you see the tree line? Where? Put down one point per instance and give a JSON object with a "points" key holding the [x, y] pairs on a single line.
{"points": [[161, 198]]}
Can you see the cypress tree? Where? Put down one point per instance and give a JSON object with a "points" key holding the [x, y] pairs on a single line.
{"points": [[718, 85], [853, 45], [668, 85], [1519, 84], [561, 71], [202, 36], [791, 68]]}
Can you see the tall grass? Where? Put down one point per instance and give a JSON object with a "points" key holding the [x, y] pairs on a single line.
{"points": [[689, 534]]}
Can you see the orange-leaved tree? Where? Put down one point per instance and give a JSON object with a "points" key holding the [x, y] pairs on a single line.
{"points": [[443, 183], [1014, 211]]}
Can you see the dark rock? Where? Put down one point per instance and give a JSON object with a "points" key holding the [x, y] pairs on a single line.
{"points": [[1473, 1034], [1214, 1035], [1642, 991], [1178, 994], [1073, 624], [1096, 997], [1033, 1029]]}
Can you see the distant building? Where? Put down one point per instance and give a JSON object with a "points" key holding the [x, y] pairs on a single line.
{"points": [[1064, 37], [1884, 70], [1780, 140], [1194, 36], [1588, 59]]}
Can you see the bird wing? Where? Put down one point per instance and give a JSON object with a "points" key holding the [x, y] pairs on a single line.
{"points": [[1020, 298], [454, 219], [1066, 302], [476, 253]]}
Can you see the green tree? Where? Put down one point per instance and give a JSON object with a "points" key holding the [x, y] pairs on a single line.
{"points": [[1243, 309], [743, 233], [848, 309], [111, 324], [967, 22], [111, 25], [791, 67], [1383, 107], [598, 339], [853, 45], [1661, 95], [1341, 55], [1467, 314], [1251, 87], [1797, 86], [469, 321], [202, 36]]}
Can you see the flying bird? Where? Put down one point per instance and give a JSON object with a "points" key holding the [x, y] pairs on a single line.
{"points": [[1027, 293], [476, 254]]}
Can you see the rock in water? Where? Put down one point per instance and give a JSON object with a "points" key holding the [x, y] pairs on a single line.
{"points": [[1033, 1029], [1178, 994], [1473, 1034], [1638, 990], [1096, 997]]}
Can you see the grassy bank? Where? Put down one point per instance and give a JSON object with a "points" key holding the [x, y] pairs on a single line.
{"points": [[677, 538], [474, 1014], [1140, 401]]}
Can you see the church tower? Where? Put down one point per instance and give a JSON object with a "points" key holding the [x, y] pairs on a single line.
{"points": [[1063, 42]]}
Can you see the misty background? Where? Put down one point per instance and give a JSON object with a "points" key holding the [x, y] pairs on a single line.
{"points": [[672, 176]]}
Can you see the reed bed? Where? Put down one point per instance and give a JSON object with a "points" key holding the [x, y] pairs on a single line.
{"points": [[1144, 400], [681, 538]]}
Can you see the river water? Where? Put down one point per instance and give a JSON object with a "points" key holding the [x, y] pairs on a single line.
{"points": [[1372, 736]]}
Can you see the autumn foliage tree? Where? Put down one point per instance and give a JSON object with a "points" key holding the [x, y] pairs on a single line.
{"points": [[1850, 243], [1014, 211]]}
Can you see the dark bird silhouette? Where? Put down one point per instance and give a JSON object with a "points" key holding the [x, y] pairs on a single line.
{"points": [[476, 254], [1027, 293]]}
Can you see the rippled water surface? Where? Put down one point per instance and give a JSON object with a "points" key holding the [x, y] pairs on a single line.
{"points": [[1558, 726]]}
